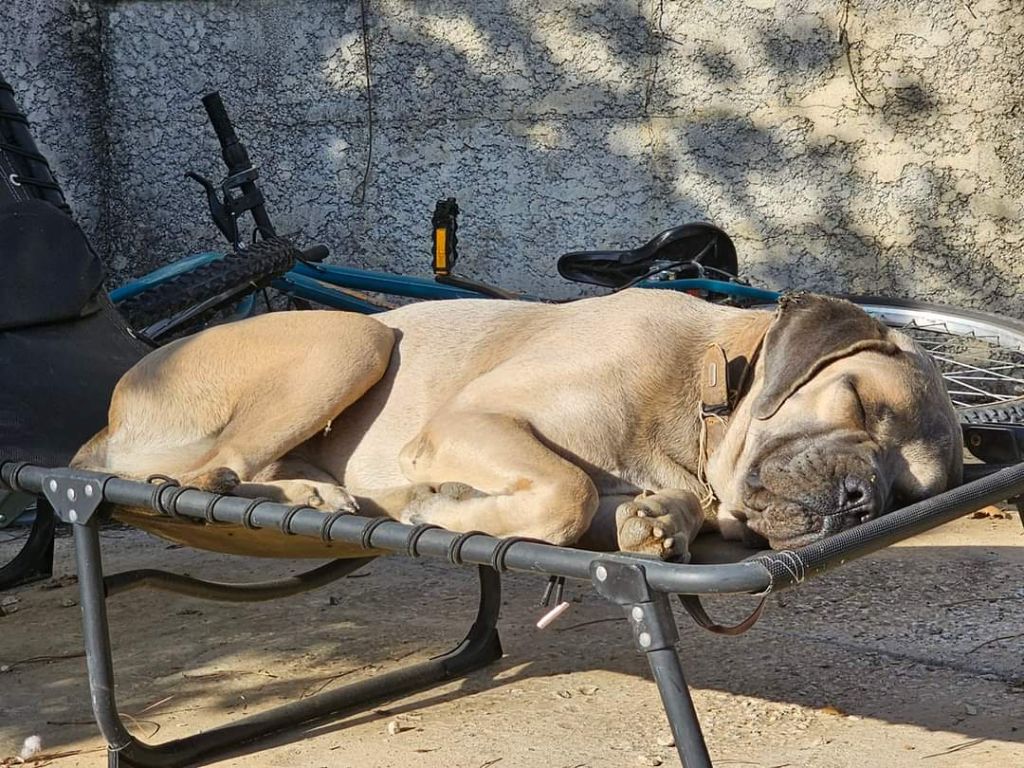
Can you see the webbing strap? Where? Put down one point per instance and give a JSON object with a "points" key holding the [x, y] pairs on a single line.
{"points": [[695, 608]]}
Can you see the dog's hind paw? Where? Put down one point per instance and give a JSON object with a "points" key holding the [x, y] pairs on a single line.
{"points": [[331, 498], [660, 524], [324, 497]]}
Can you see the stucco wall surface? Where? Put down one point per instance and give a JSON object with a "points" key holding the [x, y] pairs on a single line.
{"points": [[857, 146]]}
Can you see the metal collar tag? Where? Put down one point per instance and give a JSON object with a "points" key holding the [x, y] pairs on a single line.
{"points": [[714, 386]]}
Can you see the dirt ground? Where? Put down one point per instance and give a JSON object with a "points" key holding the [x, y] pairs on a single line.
{"points": [[912, 657]]}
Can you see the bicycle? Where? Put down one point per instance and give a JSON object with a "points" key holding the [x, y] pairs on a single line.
{"points": [[981, 355]]}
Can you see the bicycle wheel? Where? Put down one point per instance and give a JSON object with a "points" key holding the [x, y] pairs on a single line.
{"points": [[26, 544], [980, 355]]}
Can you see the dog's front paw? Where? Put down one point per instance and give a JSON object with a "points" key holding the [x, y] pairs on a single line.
{"points": [[659, 524]]}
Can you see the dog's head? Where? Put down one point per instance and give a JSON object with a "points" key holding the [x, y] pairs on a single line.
{"points": [[844, 419]]}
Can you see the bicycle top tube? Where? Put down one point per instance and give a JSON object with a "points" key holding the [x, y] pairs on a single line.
{"points": [[736, 290], [412, 286]]}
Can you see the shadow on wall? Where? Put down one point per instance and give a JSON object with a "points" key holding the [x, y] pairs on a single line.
{"points": [[845, 150]]}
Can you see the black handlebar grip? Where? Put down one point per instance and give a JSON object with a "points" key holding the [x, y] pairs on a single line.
{"points": [[219, 118], [235, 155]]}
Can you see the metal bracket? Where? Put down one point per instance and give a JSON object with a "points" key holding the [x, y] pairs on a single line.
{"points": [[75, 494], [649, 613], [622, 583]]}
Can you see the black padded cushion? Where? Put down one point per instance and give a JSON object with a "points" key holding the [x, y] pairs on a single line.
{"points": [[63, 346], [48, 270], [56, 381]]}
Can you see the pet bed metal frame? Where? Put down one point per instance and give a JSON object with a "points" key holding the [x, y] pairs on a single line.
{"points": [[641, 586]]}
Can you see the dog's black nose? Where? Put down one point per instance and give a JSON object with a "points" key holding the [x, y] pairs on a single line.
{"points": [[857, 495]]}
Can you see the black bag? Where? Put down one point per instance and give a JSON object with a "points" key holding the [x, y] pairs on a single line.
{"points": [[48, 270]]}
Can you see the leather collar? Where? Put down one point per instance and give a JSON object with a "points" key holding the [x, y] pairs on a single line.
{"points": [[725, 380]]}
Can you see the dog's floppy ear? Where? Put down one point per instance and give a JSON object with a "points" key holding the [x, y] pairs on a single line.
{"points": [[808, 333]]}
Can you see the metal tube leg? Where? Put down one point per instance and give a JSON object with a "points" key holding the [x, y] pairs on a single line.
{"points": [[97, 635], [76, 497], [682, 716], [655, 635]]}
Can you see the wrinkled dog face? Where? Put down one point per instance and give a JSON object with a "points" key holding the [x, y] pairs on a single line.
{"points": [[845, 420]]}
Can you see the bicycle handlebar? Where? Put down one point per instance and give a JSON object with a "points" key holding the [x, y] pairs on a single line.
{"points": [[235, 155], [236, 158]]}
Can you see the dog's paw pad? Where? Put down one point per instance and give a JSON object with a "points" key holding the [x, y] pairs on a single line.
{"points": [[645, 528]]}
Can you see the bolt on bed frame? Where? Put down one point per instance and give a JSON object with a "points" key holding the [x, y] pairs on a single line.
{"points": [[641, 586]]}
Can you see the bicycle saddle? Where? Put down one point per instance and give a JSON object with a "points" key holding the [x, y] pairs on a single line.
{"points": [[696, 242]]}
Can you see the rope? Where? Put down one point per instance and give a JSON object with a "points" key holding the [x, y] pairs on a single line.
{"points": [[708, 496], [786, 559]]}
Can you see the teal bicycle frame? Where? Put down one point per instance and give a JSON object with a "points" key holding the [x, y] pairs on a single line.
{"points": [[319, 283]]}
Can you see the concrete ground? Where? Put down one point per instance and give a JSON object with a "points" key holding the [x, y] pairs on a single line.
{"points": [[912, 657]]}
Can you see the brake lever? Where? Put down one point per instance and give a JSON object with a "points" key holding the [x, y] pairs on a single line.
{"points": [[222, 218]]}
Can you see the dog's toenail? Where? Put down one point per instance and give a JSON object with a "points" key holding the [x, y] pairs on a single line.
{"points": [[658, 532], [667, 543]]}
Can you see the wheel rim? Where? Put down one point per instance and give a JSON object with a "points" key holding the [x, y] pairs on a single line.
{"points": [[981, 360]]}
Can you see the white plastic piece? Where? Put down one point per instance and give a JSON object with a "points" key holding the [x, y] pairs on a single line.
{"points": [[553, 614]]}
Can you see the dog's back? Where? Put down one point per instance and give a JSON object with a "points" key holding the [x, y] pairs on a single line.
{"points": [[529, 353]]}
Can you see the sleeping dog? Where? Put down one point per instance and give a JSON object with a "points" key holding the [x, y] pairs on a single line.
{"points": [[629, 421]]}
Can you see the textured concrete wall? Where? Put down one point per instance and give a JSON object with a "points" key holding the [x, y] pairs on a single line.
{"points": [[867, 146]]}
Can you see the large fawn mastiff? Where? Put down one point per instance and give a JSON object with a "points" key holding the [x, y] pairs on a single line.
{"points": [[628, 422]]}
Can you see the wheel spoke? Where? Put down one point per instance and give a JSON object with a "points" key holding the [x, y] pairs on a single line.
{"points": [[976, 369]]}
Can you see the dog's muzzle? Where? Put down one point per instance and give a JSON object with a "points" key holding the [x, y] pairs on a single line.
{"points": [[792, 505]]}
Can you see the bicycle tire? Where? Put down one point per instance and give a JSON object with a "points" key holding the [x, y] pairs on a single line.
{"points": [[34, 560], [937, 325], [259, 263], [999, 415]]}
